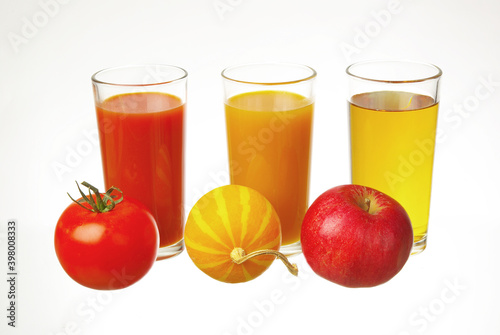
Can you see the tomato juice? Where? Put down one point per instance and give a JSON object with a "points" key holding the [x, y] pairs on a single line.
{"points": [[141, 137]]}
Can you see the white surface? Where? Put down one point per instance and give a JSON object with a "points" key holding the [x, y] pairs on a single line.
{"points": [[46, 108]]}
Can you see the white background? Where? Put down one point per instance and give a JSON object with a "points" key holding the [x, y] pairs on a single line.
{"points": [[47, 55]]}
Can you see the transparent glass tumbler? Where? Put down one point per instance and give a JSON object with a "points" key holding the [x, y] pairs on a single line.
{"points": [[140, 116], [393, 108], [269, 115]]}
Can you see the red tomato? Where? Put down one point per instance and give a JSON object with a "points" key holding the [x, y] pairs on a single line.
{"points": [[109, 250]]}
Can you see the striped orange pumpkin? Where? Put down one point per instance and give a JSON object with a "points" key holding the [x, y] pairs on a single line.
{"points": [[228, 223]]}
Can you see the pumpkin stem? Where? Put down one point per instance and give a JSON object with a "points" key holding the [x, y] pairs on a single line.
{"points": [[238, 255]]}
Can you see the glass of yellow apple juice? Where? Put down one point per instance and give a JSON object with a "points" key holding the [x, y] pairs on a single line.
{"points": [[393, 108], [269, 116]]}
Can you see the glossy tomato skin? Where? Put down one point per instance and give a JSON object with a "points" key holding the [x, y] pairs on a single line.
{"points": [[110, 250]]}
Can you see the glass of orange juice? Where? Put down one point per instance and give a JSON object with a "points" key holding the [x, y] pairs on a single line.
{"points": [[140, 118], [269, 116], [393, 108]]}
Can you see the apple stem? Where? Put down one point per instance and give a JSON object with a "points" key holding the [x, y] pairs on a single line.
{"points": [[238, 255], [367, 202]]}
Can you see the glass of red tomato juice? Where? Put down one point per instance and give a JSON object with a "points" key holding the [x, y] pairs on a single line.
{"points": [[140, 117]]}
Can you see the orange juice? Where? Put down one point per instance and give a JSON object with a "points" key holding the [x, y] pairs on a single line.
{"points": [[392, 149], [269, 144]]}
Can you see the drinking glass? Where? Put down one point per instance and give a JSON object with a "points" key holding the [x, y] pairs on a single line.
{"points": [[140, 116], [393, 108], [269, 115]]}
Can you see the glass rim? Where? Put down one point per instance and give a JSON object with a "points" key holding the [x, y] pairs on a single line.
{"points": [[438, 74], [94, 79], [282, 82]]}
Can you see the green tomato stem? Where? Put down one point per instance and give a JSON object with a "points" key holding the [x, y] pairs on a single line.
{"points": [[103, 203]]}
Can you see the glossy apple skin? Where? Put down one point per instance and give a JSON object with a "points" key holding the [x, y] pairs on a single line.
{"points": [[348, 245]]}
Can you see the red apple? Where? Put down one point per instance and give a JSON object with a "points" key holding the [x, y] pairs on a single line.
{"points": [[356, 236]]}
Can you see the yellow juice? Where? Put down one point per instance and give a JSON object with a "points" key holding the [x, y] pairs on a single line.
{"points": [[392, 149], [269, 144]]}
